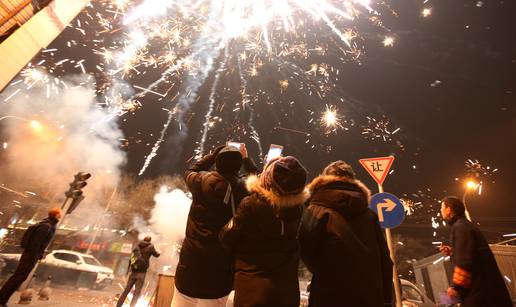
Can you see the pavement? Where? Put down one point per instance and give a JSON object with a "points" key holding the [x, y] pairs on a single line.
{"points": [[71, 297]]}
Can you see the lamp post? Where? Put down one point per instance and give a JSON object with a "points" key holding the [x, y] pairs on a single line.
{"points": [[470, 185]]}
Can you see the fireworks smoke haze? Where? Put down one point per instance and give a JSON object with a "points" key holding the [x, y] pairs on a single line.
{"points": [[71, 135]]}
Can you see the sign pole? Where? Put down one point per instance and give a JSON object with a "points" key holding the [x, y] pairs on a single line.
{"points": [[395, 277]]}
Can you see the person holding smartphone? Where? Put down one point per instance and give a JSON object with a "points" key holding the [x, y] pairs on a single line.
{"points": [[204, 275], [262, 236]]}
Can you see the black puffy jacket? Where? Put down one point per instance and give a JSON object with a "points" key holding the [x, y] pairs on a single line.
{"points": [[263, 239], [205, 268], [343, 246]]}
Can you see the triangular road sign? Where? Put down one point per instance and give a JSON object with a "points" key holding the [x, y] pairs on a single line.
{"points": [[378, 168]]}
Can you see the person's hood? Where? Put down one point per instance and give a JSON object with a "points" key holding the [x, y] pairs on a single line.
{"points": [[254, 185], [228, 157], [144, 244], [347, 196]]}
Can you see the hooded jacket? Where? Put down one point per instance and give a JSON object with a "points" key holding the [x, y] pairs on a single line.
{"points": [[204, 269], [147, 250], [343, 246], [263, 240], [476, 275]]}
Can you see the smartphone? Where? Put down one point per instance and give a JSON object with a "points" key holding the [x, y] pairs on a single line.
{"points": [[235, 144], [274, 152]]}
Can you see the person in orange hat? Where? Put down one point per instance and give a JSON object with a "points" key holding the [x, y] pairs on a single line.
{"points": [[34, 243]]}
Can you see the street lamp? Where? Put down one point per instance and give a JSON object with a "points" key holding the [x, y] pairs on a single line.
{"points": [[470, 185], [34, 124]]}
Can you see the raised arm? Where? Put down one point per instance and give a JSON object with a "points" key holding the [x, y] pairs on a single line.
{"points": [[194, 173]]}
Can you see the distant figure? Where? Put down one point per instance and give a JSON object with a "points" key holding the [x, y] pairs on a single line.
{"points": [[138, 266], [204, 275], [477, 281], [263, 236], [34, 243], [342, 243]]}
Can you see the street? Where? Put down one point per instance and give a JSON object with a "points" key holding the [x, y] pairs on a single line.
{"points": [[68, 296]]}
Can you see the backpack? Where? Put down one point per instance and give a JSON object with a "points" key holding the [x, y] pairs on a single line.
{"points": [[137, 262], [27, 236]]}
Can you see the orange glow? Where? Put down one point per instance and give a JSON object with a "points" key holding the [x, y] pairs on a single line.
{"points": [[471, 185], [34, 124]]}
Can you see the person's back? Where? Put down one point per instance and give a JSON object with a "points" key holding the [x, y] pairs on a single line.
{"points": [[204, 270], [262, 237], [139, 263], [146, 249], [40, 236], [343, 246]]}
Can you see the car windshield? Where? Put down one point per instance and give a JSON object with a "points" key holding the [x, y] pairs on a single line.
{"points": [[91, 261]]}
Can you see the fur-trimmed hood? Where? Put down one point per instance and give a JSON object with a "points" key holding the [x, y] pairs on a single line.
{"points": [[348, 196], [253, 185]]}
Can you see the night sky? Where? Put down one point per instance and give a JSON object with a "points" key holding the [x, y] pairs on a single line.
{"points": [[448, 83], [467, 113]]}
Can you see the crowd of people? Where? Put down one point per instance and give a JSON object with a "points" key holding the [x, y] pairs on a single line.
{"points": [[248, 233]]}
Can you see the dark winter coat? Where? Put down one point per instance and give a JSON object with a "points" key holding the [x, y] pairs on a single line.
{"points": [[342, 244], [476, 275], [204, 269], [263, 239], [147, 250], [41, 237]]}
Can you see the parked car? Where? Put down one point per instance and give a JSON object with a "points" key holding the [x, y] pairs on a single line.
{"points": [[411, 296], [62, 263], [83, 262]]}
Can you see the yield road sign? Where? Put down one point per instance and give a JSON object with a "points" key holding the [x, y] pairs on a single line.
{"points": [[378, 168], [389, 209]]}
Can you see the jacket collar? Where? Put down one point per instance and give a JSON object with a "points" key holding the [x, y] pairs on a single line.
{"points": [[52, 221], [253, 185]]}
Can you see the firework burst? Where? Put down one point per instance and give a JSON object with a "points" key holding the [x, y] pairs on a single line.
{"points": [[168, 50]]}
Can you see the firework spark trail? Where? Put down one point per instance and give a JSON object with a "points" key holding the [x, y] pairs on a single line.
{"points": [[208, 46], [156, 146], [206, 125], [246, 103], [268, 29]]}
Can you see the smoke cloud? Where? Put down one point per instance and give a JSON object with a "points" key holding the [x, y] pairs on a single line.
{"points": [[166, 226], [54, 131]]}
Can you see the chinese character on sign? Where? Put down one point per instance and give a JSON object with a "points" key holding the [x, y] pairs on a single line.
{"points": [[378, 168]]}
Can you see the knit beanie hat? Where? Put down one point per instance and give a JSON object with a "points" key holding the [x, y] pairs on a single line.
{"points": [[339, 168], [285, 175]]}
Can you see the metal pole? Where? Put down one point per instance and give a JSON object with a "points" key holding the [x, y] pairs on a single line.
{"points": [[101, 220], [395, 278], [464, 202]]}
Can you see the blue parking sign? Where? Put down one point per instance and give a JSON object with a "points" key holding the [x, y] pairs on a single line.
{"points": [[389, 209]]}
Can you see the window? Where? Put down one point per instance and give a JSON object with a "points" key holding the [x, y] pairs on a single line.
{"points": [[91, 261], [66, 257], [410, 293]]}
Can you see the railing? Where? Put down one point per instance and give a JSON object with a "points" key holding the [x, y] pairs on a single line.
{"points": [[14, 12]]}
